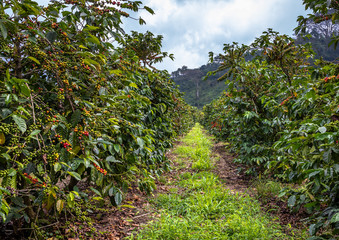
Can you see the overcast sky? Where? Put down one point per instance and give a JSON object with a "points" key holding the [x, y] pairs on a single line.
{"points": [[192, 28]]}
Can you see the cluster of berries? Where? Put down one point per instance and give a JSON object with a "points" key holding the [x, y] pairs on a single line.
{"points": [[216, 125], [287, 99], [34, 180], [116, 3], [57, 136], [55, 119], [86, 133], [66, 145], [85, 66], [103, 171], [331, 77]]}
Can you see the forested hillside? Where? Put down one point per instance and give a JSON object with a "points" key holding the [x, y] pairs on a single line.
{"points": [[198, 92]]}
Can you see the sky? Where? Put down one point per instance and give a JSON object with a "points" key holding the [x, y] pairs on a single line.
{"points": [[193, 28]]}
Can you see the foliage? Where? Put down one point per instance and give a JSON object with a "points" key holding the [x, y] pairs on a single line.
{"points": [[76, 106], [147, 47], [280, 115]]}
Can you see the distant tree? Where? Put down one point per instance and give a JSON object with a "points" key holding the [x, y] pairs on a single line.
{"points": [[184, 69], [147, 47]]}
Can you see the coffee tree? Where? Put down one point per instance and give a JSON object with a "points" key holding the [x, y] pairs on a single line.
{"points": [[77, 106], [280, 115]]}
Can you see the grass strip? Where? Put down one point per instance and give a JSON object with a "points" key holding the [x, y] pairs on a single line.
{"points": [[204, 209]]}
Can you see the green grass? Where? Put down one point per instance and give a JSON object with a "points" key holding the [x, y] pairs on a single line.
{"points": [[266, 188], [205, 210]]}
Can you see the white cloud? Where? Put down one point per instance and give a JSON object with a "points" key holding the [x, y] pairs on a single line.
{"points": [[193, 28]]}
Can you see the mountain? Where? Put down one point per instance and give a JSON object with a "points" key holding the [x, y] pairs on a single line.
{"points": [[199, 92]]}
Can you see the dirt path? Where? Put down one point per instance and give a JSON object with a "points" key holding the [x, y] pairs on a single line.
{"points": [[229, 171]]}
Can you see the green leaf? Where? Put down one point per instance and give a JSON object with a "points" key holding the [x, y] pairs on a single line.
{"points": [[35, 132], [115, 72], [111, 191], [335, 218], [87, 162], [34, 59], [150, 10], [99, 180], [75, 175], [133, 85], [92, 63], [141, 142], [60, 205], [3, 30], [27, 219], [336, 168], [314, 173], [90, 28], [57, 167], [117, 148], [112, 159], [71, 196], [20, 123], [96, 191], [83, 47], [291, 201], [141, 21], [94, 39], [25, 89], [6, 156], [327, 156], [127, 206], [76, 117], [12, 172], [51, 36], [118, 198], [312, 229], [34, 8], [322, 129]]}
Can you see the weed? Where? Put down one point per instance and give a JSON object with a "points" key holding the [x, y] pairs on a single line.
{"points": [[267, 189], [162, 179]]}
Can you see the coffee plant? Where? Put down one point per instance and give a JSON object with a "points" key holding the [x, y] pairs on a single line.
{"points": [[280, 115], [78, 104]]}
